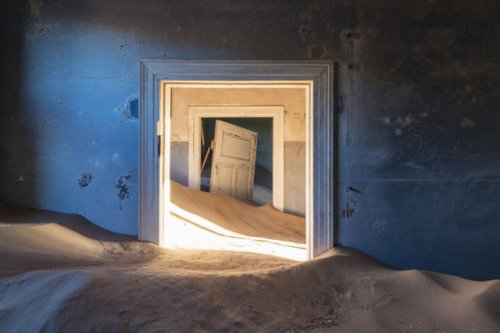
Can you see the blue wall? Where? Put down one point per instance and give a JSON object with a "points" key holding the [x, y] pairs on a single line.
{"points": [[418, 110]]}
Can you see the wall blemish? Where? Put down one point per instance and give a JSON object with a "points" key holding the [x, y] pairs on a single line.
{"points": [[20, 180], [130, 109], [123, 186], [467, 123], [352, 189], [34, 7], [85, 179], [316, 50]]}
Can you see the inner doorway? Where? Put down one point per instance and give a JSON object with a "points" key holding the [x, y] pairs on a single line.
{"points": [[252, 176], [241, 114]]}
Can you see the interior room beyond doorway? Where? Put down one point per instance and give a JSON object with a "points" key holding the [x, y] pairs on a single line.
{"points": [[207, 206]]}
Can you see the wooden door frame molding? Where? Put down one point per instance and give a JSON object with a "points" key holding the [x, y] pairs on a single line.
{"points": [[275, 112], [154, 74]]}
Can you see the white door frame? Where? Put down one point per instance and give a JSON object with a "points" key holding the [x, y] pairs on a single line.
{"points": [[275, 112], [320, 121]]}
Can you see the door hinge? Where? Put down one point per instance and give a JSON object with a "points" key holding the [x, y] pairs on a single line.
{"points": [[158, 136], [159, 145]]}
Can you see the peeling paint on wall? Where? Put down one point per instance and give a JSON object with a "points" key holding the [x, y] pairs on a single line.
{"points": [[85, 179], [116, 158], [20, 180], [34, 7], [351, 203], [406, 121], [316, 50], [352, 189], [348, 211], [130, 109], [40, 28], [467, 123], [379, 226], [123, 186]]}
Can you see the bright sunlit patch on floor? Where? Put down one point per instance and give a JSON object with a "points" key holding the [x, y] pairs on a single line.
{"points": [[190, 231]]}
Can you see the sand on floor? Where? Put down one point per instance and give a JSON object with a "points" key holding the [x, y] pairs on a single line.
{"points": [[208, 221], [61, 273], [239, 217]]}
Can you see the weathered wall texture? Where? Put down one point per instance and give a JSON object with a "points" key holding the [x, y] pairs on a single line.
{"points": [[294, 102], [418, 110]]}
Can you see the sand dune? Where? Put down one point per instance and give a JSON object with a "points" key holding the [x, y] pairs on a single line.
{"points": [[33, 239], [60, 273], [236, 216], [208, 221]]}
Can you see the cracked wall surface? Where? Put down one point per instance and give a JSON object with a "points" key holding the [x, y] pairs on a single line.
{"points": [[417, 95]]}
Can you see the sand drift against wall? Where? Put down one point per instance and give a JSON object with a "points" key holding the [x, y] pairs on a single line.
{"points": [[61, 273], [210, 221], [240, 217]]}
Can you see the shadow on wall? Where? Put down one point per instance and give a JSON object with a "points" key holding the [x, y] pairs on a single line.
{"points": [[18, 152]]}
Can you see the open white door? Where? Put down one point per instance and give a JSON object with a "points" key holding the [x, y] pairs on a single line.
{"points": [[233, 161]]}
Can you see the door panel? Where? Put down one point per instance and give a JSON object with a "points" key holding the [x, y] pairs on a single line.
{"points": [[225, 179], [233, 161], [242, 183], [236, 147]]}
